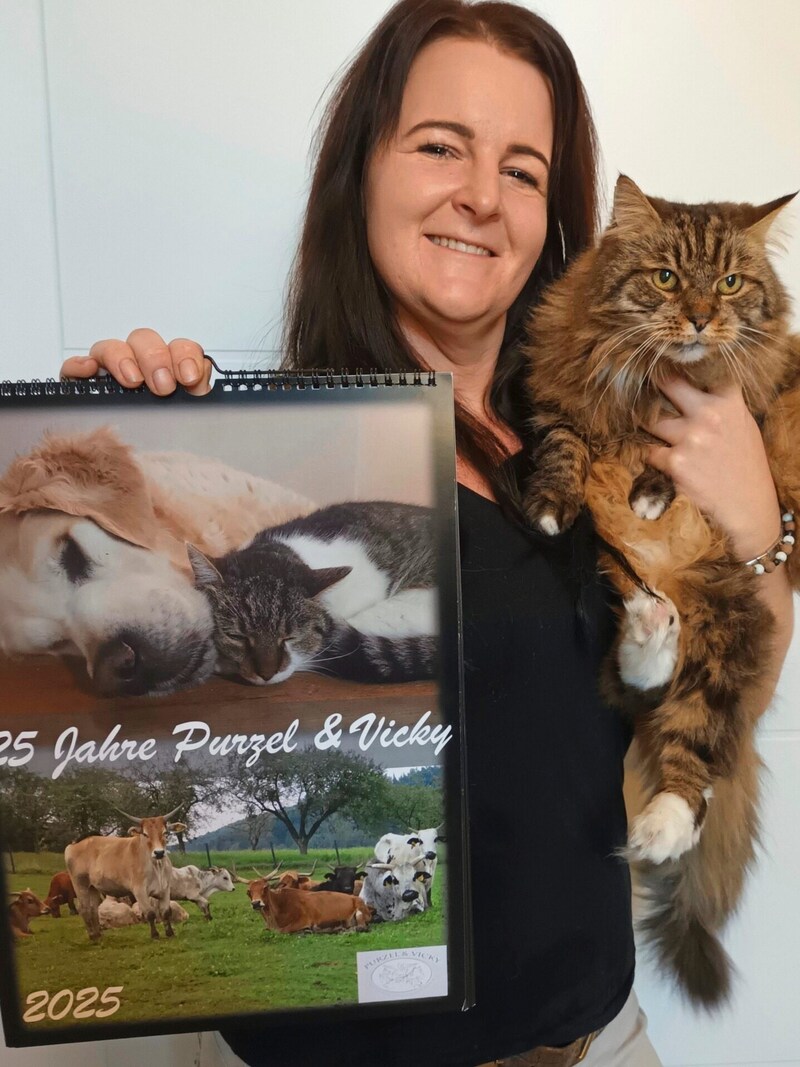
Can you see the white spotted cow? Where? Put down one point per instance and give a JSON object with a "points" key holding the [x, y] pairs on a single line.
{"points": [[198, 884], [395, 890]]}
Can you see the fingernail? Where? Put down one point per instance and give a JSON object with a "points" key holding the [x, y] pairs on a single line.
{"points": [[189, 372], [163, 380], [130, 372]]}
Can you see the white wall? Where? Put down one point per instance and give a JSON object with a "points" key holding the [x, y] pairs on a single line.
{"points": [[153, 170]]}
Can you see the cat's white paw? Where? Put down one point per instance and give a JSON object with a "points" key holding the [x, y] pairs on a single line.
{"points": [[649, 507], [648, 648], [664, 831], [548, 524]]}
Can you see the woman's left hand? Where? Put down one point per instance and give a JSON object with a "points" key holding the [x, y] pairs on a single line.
{"points": [[715, 454]]}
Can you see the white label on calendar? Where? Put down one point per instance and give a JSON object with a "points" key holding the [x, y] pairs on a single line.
{"points": [[402, 974]]}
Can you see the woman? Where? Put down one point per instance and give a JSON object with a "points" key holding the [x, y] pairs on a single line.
{"points": [[456, 178]]}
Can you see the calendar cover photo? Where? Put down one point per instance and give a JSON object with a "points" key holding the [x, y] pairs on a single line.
{"points": [[230, 733]]}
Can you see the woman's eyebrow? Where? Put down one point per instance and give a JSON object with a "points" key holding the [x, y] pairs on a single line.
{"points": [[467, 132]]}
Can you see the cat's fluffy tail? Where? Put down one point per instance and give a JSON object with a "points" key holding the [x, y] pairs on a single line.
{"points": [[683, 905]]}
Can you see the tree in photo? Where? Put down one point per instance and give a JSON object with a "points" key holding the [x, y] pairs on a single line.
{"points": [[303, 789], [26, 806], [258, 824], [414, 806], [157, 789]]}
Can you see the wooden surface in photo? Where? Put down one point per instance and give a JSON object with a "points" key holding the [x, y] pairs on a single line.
{"points": [[54, 690]]}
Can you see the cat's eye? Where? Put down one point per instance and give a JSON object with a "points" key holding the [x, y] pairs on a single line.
{"points": [[730, 284], [665, 280]]}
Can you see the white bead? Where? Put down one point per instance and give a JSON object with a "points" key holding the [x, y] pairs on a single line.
{"points": [[758, 568], [781, 556], [787, 516], [788, 539]]}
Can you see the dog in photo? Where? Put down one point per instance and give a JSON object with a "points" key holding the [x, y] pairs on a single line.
{"points": [[93, 558]]}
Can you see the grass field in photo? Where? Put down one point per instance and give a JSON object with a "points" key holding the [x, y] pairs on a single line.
{"points": [[231, 965]]}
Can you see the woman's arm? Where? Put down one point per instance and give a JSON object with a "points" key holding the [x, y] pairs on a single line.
{"points": [[715, 454]]}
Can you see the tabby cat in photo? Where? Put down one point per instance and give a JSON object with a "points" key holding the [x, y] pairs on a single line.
{"points": [[687, 290], [347, 591]]}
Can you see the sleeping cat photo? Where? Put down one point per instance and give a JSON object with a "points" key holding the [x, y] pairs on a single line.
{"points": [[670, 290], [347, 591]]}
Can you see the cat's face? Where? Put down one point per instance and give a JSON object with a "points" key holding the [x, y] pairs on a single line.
{"points": [[265, 630], [266, 626], [680, 284]]}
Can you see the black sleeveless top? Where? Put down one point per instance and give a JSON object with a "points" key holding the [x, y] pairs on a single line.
{"points": [[554, 951]]}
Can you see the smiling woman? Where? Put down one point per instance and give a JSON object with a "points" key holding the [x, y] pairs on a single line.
{"points": [[456, 209], [455, 180], [456, 202]]}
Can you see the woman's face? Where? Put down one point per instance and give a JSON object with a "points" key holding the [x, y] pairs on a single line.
{"points": [[456, 203]]}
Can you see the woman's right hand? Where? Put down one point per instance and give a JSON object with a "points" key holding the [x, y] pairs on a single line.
{"points": [[145, 357]]}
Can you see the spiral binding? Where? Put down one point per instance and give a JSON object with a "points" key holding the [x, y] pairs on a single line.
{"points": [[232, 381]]}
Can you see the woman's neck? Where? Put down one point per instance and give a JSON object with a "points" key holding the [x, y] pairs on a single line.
{"points": [[470, 355], [472, 359]]}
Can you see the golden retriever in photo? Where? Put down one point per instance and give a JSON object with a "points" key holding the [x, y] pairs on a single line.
{"points": [[93, 558]]}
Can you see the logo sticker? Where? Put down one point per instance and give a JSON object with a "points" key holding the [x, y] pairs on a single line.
{"points": [[402, 974]]}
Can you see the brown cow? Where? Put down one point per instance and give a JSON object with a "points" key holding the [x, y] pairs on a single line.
{"points": [[295, 880], [26, 905], [137, 864], [61, 891], [289, 911]]}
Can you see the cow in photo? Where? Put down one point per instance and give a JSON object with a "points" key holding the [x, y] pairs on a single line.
{"points": [[195, 884], [24, 907], [292, 911], [61, 892], [116, 866], [113, 913], [339, 879], [416, 847], [396, 890]]}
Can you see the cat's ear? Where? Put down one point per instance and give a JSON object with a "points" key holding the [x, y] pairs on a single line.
{"points": [[632, 209], [205, 573], [761, 218], [323, 578]]}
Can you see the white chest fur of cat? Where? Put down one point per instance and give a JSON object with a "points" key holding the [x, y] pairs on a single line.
{"points": [[366, 597]]}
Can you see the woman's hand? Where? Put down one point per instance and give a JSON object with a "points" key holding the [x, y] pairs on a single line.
{"points": [[146, 358], [714, 453]]}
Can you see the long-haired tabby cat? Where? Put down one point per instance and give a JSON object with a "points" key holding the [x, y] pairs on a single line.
{"points": [[347, 591], [672, 289]]}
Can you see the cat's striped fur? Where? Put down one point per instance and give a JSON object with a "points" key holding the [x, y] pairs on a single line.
{"points": [[346, 591]]}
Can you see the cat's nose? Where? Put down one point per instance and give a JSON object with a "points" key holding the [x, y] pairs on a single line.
{"points": [[699, 322], [268, 659]]}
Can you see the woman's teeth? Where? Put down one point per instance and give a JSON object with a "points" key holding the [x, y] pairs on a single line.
{"points": [[460, 246]]}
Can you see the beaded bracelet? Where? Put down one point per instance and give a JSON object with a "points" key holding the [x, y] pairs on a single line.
{"points": [[780, 551]]}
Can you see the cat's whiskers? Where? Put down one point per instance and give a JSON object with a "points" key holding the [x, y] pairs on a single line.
{"points": [[754, 392], [610, 382], [646, 377], [603, 354], [319, 655], [752, 341], [631, 358], [331, 659], [754, 329], [730, 361], [322, 674]]}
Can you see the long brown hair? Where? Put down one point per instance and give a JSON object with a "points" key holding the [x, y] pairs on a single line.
{"points": [[339, 313]]}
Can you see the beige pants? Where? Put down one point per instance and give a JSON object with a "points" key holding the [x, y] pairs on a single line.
{"points": [[623, 1043]]}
